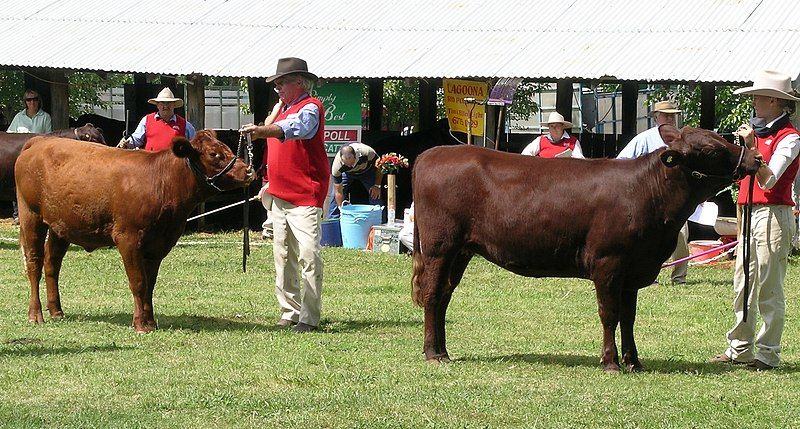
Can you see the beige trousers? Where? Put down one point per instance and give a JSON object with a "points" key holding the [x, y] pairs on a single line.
{"points": [[298, 257], [681, 251], [772, 230]]}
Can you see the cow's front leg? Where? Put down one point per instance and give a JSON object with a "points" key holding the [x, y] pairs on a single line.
{"points": [[137, 281], [32, 236], [608, 308], [151, 266], [630, 356]]}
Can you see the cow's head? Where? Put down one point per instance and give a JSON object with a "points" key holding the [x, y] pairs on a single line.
{"points": [[213, 162], [90, 133], [706, 155]]}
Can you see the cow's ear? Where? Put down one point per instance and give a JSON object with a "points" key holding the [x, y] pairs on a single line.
{"points": [[181, 147], [671, 158], [669, 133]]}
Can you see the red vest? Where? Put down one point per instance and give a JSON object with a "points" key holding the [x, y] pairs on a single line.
{"points": [[781, 193], [159, 133], [549, 150], [298, 170]]}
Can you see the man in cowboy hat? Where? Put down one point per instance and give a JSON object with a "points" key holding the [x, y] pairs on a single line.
{"points": [[772, 134], [156, 130], [664, 113], [557, 142], [298, 175]]}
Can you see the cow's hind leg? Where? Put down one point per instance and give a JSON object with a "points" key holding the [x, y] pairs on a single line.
{"points": [[457, 268], [54, 251], [32, 235], [630, 356]]}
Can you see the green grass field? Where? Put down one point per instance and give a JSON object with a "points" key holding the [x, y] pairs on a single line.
{"points": [[525, 351]]}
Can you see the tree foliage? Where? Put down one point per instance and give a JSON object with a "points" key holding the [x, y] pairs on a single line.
{"points": [[730, 110]]}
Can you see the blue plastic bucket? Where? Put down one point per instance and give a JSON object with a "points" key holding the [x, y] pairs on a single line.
{"points": [[331, 234], [356, 221]]}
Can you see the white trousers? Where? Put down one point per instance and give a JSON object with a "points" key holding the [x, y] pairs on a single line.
{"points": [[298, 256], [772, 230]]}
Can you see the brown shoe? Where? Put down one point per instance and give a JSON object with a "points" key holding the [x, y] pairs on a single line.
{"points": [[724, 358], [757, 365], [303, 328], [285, 323]]}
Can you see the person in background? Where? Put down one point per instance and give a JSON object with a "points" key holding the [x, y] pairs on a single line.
{"points": [[772, 134], [664, 113], [406, 234], [32, 119], [298, 176], [156, 130], [557, 142], [354, 162]]}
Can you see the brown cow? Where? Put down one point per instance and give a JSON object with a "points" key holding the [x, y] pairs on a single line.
{"points": [[96, 196], [611, 221]]}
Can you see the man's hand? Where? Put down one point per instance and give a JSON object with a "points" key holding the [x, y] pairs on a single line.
{"points": [[746, 132], [124, 143], [375, 192]]}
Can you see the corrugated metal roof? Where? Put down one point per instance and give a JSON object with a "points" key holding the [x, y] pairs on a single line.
{"points": [[680, 40]]}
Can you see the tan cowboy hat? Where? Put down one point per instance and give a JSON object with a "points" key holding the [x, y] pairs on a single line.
{"points": [[292, 65], [555, 118], [665, 107], [166, 95], [771, 84]]}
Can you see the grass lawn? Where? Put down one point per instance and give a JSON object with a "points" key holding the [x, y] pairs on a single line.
{"points": [[525, 351]]}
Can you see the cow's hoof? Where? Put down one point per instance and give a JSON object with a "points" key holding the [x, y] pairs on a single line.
{"points": [[37, 318], [611, 368], [635, 367], [439, 359], [57, 315], [145, 328]]}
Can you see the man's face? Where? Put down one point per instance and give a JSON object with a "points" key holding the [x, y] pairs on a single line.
{"points": [[666, 118], [165, 109], [349, 161], [289, 87], [556, 130]]}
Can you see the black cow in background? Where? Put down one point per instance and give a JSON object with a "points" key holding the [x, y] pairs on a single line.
{"points": [[409, 146], [112, 129]]}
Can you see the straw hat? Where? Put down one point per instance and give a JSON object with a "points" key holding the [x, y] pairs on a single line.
{"points": [[166, 95], [771, 84], [665, 107], [292, 65], [555, 118]]}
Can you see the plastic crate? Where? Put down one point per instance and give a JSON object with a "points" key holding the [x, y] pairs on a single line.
{"points": [[386, 239]]}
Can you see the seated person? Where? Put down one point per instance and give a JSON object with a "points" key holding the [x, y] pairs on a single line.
{"points": [[557, 142]]}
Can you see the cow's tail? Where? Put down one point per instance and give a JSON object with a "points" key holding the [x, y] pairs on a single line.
{"points": [[418, 267]]}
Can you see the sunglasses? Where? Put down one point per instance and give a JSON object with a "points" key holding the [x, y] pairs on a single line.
{"points": [[32, 99]]}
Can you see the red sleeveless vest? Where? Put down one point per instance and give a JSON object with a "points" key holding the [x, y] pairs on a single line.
{"points": [[549, 150], [781, 193], [159, 133], [298, 170]]}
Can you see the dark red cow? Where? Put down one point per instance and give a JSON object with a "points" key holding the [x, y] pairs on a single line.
{"points": [[11, 145], [611, 221], [96, 196]]}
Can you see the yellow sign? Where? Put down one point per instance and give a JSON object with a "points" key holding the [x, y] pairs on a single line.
{"points": [[458, 110]]}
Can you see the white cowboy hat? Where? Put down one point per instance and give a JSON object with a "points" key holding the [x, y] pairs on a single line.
{"points": [[665, 107], [771, 84], [555, 118], [166, 95]]}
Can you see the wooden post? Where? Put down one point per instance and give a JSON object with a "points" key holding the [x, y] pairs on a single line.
{"points": [[390, 198], [375, 104], [630, 98], [564, 98], [196, 101], [707, 106], [59, 99]]}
